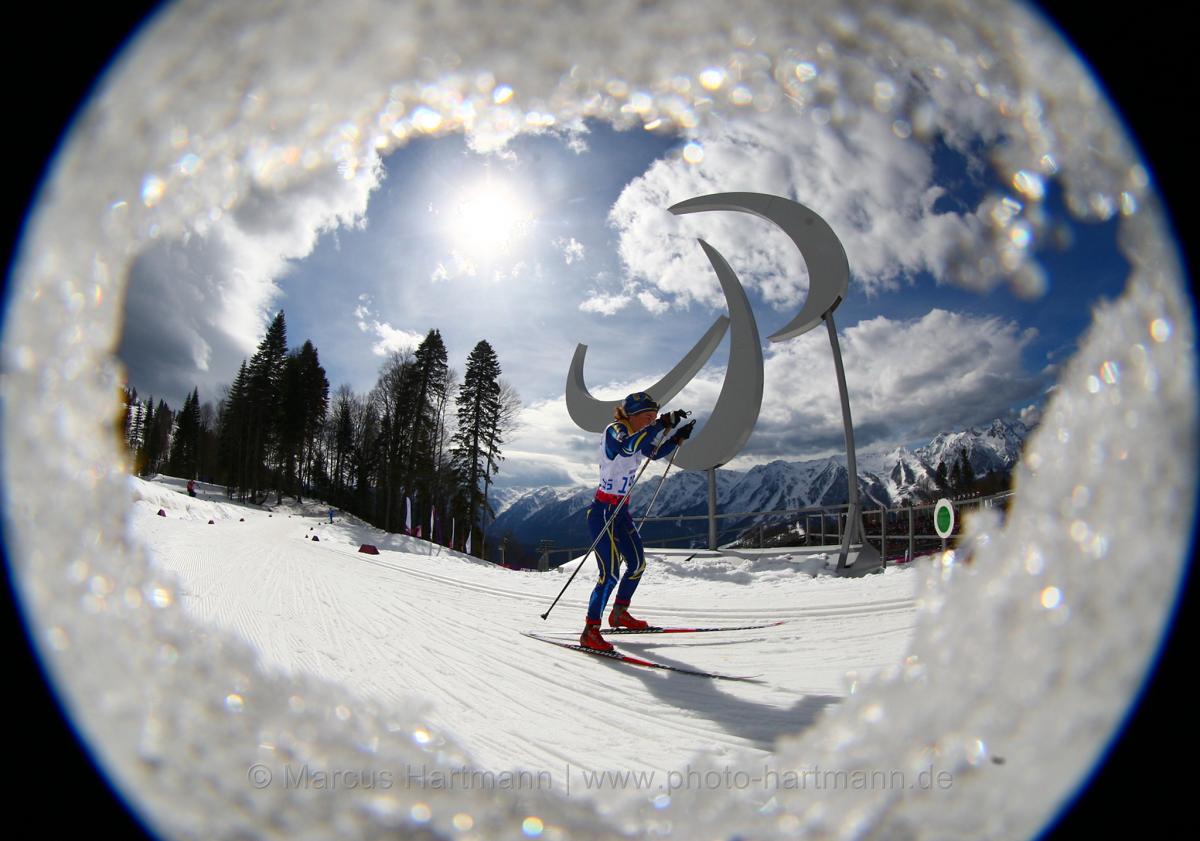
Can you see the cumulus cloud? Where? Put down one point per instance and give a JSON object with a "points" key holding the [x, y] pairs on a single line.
{"points": [[874, 188], [605, 304], [908, 380], [653, 304], [390, 338], [198, 305], [572, 249], [536, 468], [606, 297], [547, 448], [607, 301]]}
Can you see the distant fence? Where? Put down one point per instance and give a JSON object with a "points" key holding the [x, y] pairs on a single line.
{"points": [[900, 533]]}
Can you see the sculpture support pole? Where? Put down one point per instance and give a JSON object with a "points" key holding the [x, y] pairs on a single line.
{"points": [[852, 512], [712, 507]]}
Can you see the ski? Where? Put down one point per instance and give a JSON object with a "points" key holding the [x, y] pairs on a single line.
{"points": [[638, 661], [656, 629]]}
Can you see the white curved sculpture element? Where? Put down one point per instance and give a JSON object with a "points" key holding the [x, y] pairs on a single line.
{"points": [[736, 411], [829, 278], [595, 415], [828, 268]]}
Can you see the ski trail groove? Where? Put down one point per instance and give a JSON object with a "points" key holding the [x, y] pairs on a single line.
{"points": [[446, 632]]}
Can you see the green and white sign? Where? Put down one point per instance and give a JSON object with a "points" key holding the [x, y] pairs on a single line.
{"points": [[943, 518]]}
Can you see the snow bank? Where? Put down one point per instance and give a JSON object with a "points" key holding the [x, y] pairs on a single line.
{"points": [[744, 567], [170, 495]]}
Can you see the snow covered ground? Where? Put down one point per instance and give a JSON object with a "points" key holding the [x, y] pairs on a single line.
{"points": [[420, 622]]}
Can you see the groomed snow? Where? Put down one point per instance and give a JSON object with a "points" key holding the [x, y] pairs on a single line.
{"points": [[420, 623]]}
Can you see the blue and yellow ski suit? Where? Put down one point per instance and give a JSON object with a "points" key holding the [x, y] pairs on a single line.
{"points": [[620, 456]]}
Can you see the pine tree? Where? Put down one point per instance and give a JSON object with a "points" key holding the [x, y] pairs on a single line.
{"points": [[135, 426], [314, 394], [231, 435], [264, 406], [425, 398], [475, 446], [185, 445], [142, 415], [158, 437], [130, 419], [144, 452], [305, 400]]}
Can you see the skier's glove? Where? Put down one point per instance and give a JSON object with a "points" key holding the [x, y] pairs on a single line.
{"points": [[684, 432], [670, 420]]}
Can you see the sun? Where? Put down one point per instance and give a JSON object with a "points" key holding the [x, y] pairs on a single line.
{"points": [[487, 218]]}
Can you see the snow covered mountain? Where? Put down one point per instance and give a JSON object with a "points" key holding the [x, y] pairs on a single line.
{"points": [[886, 479], [996, 448]]}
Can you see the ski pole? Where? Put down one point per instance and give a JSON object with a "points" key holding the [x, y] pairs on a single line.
{"points": [[607, 526], [661, 482]]}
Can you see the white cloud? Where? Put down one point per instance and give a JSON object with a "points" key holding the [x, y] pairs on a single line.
{"points": [[196, 306], [547, 443], [907, 380], [874, 188], [457, 265], [536, 468], [605, 304], [390, 338], [572, 249], [652, 303], [460, 266]]}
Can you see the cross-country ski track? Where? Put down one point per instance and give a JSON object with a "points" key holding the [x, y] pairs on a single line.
{"points": [[418, 620]]}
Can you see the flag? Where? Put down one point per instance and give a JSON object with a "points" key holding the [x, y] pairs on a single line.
{"points": [[468, 549], [432, 515], [408, 515], [451, 532]]}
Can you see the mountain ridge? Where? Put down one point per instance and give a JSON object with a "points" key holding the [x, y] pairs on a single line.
{"points": [[885, 479]]}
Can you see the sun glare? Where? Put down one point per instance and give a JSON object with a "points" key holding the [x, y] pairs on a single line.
{"points": [[488, 218]]}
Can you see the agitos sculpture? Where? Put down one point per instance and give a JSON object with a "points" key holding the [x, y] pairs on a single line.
{"points": [[736, 411]]}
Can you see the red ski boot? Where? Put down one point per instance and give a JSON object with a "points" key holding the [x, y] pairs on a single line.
{"points": [[621, 618], [591, 637]]}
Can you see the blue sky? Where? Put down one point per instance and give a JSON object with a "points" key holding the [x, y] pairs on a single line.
{"points": [[514, 297], [563, 237]]}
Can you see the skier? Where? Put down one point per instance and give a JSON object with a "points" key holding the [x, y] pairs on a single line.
{"points": [[191, 487], [627, 440]]}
